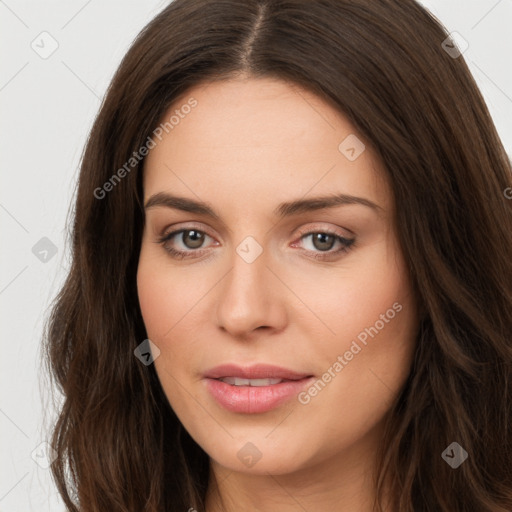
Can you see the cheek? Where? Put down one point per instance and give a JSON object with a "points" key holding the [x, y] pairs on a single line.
{"points": [[363, 293], [152, 299], [372, 318], [162, 299], [165, 296]]}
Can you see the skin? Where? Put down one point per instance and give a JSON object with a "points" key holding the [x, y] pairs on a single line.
{"points": [[247, 146]]}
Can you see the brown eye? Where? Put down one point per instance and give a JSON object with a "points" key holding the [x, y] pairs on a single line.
{"points": [[188, 243], [323, 241], [322, 244], [192, 238], [184, 243]]}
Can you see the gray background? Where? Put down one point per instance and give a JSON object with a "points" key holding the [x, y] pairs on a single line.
{"points": [[48, 106]]}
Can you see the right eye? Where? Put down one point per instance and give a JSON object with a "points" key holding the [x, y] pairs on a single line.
{"points": [[191, 239]]}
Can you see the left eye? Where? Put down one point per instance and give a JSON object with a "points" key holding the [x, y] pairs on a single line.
{"points": [[324, 241], [193, 239]]}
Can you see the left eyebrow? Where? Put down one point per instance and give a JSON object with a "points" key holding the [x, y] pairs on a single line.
{"points": [[286, 209], [323, 202]]}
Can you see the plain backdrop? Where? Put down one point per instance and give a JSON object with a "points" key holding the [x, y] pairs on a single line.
{"points": [[48, 103]]}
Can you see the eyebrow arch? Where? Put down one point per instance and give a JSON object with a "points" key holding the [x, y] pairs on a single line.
{"points": [[283, 210]]}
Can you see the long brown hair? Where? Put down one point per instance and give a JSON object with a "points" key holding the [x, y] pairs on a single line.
{"points": [[384, 66]]}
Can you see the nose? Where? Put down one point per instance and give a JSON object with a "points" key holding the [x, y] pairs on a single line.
{"points": [[251, 297]]}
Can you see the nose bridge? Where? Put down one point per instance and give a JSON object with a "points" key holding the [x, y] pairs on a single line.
{"points": [[249, 297], [248, 277]]}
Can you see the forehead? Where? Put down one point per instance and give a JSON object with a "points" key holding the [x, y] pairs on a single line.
{"points": [[260, 139]]}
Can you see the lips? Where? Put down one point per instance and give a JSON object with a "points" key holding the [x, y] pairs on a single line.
{"points": [[254, 389], [257, 371]]}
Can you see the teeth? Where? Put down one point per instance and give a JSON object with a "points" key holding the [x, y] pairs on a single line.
{"points": [[235, 381]]}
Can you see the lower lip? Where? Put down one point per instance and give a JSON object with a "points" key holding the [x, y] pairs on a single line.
{"points": [[255, 399]]}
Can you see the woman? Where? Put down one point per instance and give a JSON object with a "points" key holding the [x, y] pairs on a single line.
{"points": [[291, 285]]}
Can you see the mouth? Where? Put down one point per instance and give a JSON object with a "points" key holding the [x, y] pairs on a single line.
{"points": [[238, 381], [256, 389], [255, 375]]}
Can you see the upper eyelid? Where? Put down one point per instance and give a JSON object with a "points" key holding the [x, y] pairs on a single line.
{"points": [[316, 228], [319, 229], [179, 229], [302, 232]]}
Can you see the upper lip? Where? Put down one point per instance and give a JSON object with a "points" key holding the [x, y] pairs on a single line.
{"points": [[256, 371]]}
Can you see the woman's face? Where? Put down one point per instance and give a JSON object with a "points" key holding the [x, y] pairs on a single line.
{"points": [[273, 271]]}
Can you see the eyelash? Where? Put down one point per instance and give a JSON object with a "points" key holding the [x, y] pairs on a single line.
{"points": [[347, 244]]}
